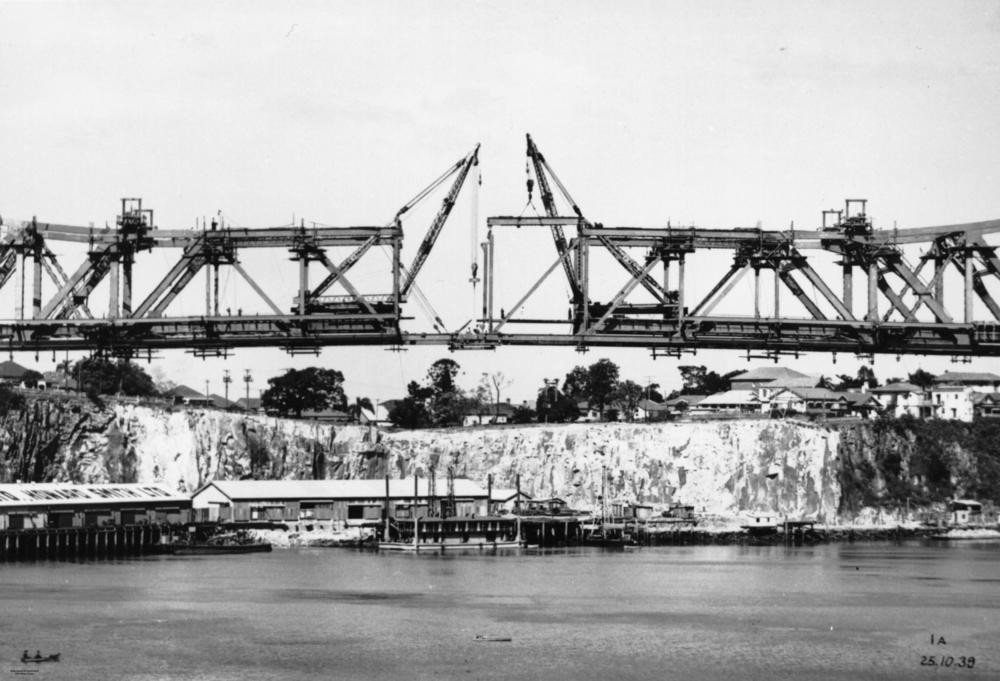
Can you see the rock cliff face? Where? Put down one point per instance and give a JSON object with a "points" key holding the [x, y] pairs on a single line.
{"points": [[720, 467]]}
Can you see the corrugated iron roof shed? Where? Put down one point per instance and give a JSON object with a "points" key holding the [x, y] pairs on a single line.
{"points": [[898, 388], [730, 397], [967, 377], [768, 374], [69, 494], [184, 391], [814, 393], [245, 490]]}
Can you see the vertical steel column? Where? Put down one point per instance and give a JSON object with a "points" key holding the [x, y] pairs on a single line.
{"points": [[20, 310], [756, 292], [489, 240], [848, 270], [939, 263], [395, 274], [666, 278], [36, 288], [127, 284], [487, 279], [967, 271], [208, 291], [584, 249], [680, 287], [872, 290], [303, 280], [777, 291], [215, 288], [113, 288]]}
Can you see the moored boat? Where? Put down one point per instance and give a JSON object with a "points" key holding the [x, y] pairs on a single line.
{"points": [[216, 549], [441, 546]]}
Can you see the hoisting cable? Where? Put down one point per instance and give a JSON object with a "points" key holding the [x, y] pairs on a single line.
{"points": [[432, 316], [474, 237]]}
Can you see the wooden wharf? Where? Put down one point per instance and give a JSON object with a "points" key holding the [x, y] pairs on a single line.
{"points": [[488, 532], [83, 542]]}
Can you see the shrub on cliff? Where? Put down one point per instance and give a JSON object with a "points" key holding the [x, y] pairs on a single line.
{"points": [[10, 400], [102, 376]]}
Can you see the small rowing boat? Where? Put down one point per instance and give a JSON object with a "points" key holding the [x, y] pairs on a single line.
{"points": [[492, 639]]}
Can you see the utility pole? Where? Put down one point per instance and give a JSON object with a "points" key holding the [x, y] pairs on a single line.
{"points": [[248, 380], [226, 380]]}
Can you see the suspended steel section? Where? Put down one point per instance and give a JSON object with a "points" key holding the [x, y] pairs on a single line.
{"points": [[653, 303]]}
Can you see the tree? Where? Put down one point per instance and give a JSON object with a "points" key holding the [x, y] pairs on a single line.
{"points": [[311, 388], [441, 376], [31, 378], [438, 403], [358, 407], [577, 383], [492, 385], [447, 402], [697, 380], [864, 377], [522, 414], [602, 381], [629, 394], [652, 392], [412, 412], [924, 379], [105, 377], [552, 406]]}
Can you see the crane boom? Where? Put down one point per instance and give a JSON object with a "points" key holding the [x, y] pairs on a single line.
{"points": [[538, 161], [462, 168]]}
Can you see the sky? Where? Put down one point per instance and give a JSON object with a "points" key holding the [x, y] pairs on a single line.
{"points": [[718, 114]]}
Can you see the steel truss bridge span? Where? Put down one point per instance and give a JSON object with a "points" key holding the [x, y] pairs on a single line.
{"points": [[878, 302]]}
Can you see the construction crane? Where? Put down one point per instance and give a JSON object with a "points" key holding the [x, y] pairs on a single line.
{"points": [[462, 169]]}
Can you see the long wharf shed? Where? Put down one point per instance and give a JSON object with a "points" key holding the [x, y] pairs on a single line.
{"points": [[57, 505], [353, 502]]}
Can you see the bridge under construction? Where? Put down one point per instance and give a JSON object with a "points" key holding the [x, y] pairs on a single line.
{"points": [[882, 299]]}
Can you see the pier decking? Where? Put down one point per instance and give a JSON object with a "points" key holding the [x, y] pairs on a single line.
{"points": [[82, 542]]}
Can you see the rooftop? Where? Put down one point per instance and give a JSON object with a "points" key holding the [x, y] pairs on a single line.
{"points": [[768, 374], [69, 494], [974, 377], [730, 397], [898, 388], [12, 370]]}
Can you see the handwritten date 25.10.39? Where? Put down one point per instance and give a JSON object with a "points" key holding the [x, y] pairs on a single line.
{"points": [[947, 661]]}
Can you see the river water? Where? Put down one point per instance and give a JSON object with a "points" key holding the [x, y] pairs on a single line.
{"points": [[837, 611]]}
